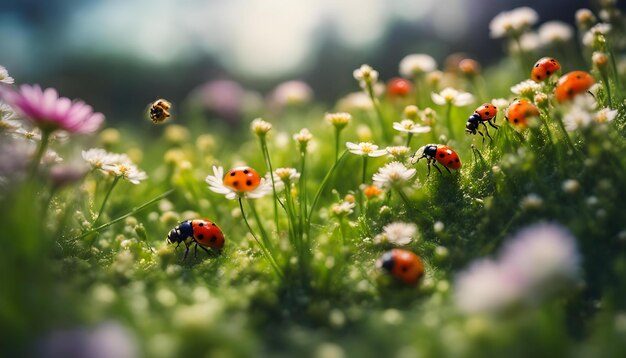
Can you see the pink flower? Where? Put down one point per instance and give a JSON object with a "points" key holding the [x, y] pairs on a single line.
{"points": [[50, 112]]}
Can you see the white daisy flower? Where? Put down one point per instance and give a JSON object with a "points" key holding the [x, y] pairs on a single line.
{"points": [[512, 23], [4, 76], [416, 64], [408, 126], [452, 96], [397, 233], [365, 149], [526, 88], [23, 133], [126, 171], [97, 158], [216, 184], [365, 74], [605, 115], [553, 32], [392, 174]]}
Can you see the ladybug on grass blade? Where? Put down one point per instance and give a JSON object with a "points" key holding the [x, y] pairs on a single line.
{"points": [[403, 265], [201, 232], [438, 153], [485, 113]]}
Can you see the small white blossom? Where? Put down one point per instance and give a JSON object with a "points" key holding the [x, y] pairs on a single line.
{"points": [[553, 32], [451, 96], [526, 88], [416, 64], [571, 186], [398, 152], [605, 115], [339, 119], [126, 171], [260, 127], [584, 17], [531, 201], [529, 42], [287, 174], [365, 75], [512, 23], [394, 173], [216, 184], [356, 101], [292, 93], [397, 233], [438, 227], [4, 76], [97, 158], [500, 103], [577, 117], [590, 37], [365, 149], [342, 209], [408, 126]]}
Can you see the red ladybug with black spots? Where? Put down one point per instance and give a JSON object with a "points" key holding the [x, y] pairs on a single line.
{"points": [[486, 112], [572, 84], [201, 232], [403, 265], [544, 68], [242, 179], [438, 153]]}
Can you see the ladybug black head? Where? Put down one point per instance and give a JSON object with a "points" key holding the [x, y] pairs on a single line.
{"points": [[180, 233], [387, 261], [472, 123]]}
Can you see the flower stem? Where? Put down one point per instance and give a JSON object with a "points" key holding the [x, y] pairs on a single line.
{"points": [[318, 194], [268, 162], [449, 120], [132, 212], [607, 85], [337, 132], [410, 206], [106, 199], [264, 250], [43, 145], [379, 113], [408, 140]]}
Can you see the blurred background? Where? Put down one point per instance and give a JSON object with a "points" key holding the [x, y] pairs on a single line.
{"points": [[119, 55]]}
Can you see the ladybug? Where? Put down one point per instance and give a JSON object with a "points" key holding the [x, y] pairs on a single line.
{"points": [[572, 84], [403, 265], [485, 113], [399, 87], [242, 179], [440, 153], [519, 112], [543, 68], [201, 232]]}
